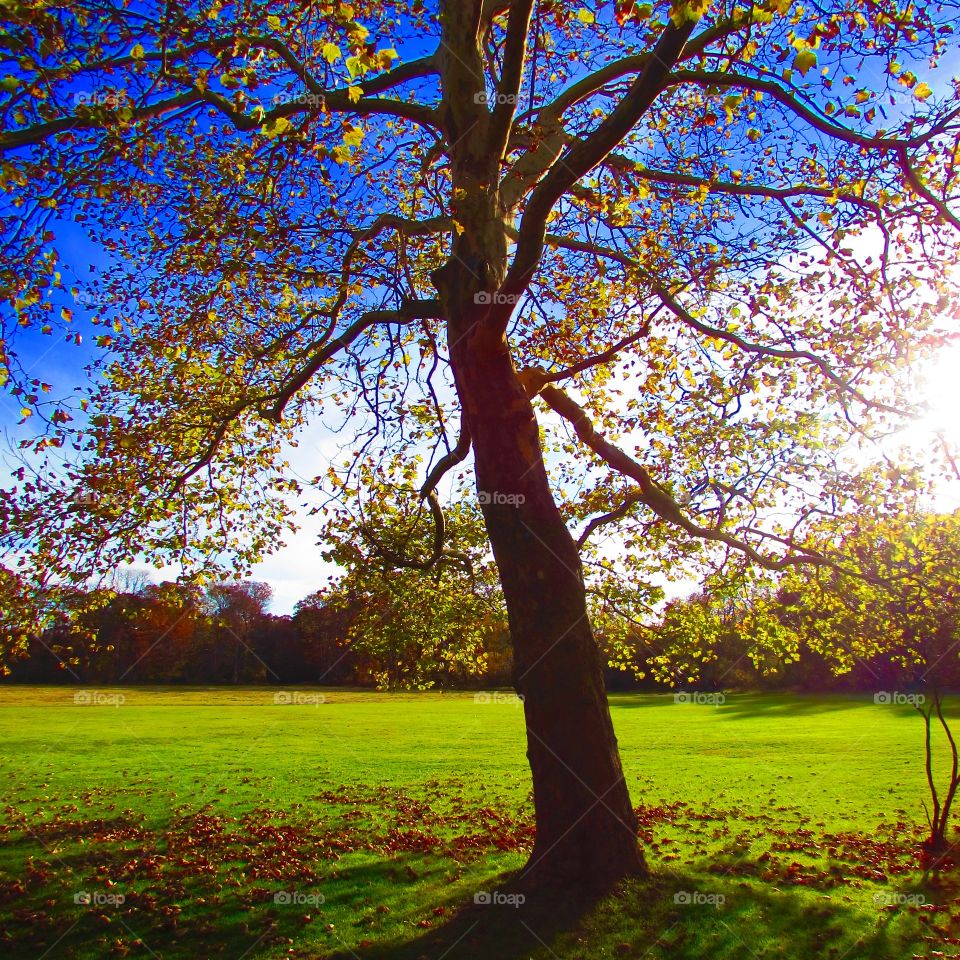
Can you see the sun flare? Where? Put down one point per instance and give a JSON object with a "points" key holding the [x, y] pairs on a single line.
{"points": [[938, 382]]}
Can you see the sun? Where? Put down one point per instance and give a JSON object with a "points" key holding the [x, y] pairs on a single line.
{"points": [[938, 381], [933, 436]]}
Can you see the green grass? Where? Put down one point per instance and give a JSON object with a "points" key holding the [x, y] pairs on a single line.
{"points": [[792, 823]]}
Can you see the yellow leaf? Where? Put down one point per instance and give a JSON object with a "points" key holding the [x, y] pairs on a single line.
{"points": [[730, 104], [585, 16], [275, 127], [273, 23], [353, 136], [331, 52], [687, 11], [922, 90], [354, 93], [804, 60], [137, 52], [359, 33]]}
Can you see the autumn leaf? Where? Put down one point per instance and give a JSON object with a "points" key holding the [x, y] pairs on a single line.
{"points": [[804, 61], [276, 127]]}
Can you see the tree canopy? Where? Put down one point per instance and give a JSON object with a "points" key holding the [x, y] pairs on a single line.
{"points": [[703, 241], [716, 272]]}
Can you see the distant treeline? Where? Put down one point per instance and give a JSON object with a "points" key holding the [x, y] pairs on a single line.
{"points": [[168, 634]]}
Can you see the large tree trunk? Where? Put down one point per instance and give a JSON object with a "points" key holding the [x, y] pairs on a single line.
{"points": [[586, 827]]}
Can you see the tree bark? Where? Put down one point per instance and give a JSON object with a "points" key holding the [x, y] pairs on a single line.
{"points": [[586, 828]]}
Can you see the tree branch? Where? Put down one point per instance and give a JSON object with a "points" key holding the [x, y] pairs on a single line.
{"points": [[29, 136], [457, 455], [670, 301], [618, 513], [793, 103], [921, 190], [508, 89], [413, 310], [651, 493], [751, 189], [583, 156], [337, 100]]}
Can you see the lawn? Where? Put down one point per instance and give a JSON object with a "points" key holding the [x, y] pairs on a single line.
{"points": [[257, 823]]}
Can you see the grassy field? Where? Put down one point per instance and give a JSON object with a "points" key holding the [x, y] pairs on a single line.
{"points": [[258, 823]]}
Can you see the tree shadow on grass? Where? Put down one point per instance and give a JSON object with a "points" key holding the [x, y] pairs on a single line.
{"points": [[425, 907], [745, 706], [737, 706], [740, 706], [668, 915]]}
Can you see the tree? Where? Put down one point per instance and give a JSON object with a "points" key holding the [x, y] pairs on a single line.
{"points": [[50, 623], [899, 598], [414, 625], [696, 642], [154, 634], [237, 609], [321, 647], [14, 631], [725, 225]]}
